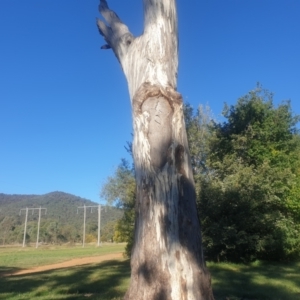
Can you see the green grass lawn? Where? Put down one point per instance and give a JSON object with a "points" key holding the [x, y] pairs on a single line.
{"points": [[16, 258], [109, 280], [256, 281], [105, 281]]}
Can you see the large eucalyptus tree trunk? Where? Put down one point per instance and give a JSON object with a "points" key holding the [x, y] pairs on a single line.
{"points": [[167, 259]]}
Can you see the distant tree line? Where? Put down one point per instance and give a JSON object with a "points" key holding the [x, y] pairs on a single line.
{"points": [[247, 176]]}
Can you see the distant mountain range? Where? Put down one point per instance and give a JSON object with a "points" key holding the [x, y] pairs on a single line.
{"points": [[62, 212], [60, 206]]}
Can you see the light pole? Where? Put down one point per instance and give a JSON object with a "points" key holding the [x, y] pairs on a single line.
{"points": [[84, 220], [39, 221], [99, 224], [25, 226]]}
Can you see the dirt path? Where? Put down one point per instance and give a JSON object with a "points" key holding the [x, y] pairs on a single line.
{"points": [[69, 263]]}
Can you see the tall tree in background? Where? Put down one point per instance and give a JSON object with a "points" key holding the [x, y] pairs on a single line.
{"points": [[247, 175], [167, 258], [199, 133], [250, 204], [120, 190]]}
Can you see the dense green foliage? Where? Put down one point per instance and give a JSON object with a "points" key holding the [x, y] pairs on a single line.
{"points": [[198, 127], [247, 176], [248, 181], [60, 224]]}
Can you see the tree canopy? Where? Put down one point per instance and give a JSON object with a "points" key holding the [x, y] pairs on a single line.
{"points": [[248, 205], [247, 174]]}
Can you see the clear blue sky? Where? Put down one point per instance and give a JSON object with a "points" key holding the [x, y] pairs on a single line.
{"points": [[64, 105]]}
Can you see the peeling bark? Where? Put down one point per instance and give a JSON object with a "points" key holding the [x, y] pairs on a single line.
{"points": [[167, 259]]}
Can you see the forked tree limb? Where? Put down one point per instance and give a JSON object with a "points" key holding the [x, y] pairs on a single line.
{"points": [[116, 33], [151, 57]]}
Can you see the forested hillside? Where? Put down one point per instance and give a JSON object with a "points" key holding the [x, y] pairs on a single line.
{"points": [[61, 223]]}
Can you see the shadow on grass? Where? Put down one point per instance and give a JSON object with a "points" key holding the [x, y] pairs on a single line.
{"points": [[106, 280], [8, 270], [263, 281], [109, 280]]}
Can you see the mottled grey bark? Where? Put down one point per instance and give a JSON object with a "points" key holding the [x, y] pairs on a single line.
{"points": [[167, 259]]}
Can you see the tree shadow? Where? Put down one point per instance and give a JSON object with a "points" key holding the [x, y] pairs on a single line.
{"points": [[5, 271], [106, 280], [109, 280], [263, 282]]}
